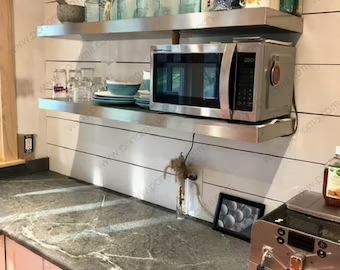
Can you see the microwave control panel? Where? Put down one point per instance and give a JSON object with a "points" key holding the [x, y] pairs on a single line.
{"points": [[245, 78]]}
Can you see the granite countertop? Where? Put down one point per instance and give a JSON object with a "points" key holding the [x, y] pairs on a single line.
{"points": [[83, 227]]}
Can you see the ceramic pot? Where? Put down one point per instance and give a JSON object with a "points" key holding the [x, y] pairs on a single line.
{"points": [[71, 13]]}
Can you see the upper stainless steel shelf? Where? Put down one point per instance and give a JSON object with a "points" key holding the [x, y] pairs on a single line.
{"points": [[266, 19], [207, 127]]}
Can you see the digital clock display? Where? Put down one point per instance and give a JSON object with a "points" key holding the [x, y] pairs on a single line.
{"points": [[301, 241]]}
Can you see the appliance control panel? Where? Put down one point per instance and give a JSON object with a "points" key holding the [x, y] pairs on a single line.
{"points": [[245, 79], [276, 247]]}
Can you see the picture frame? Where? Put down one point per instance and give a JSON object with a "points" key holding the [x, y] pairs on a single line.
{"points": [[235, 216]]}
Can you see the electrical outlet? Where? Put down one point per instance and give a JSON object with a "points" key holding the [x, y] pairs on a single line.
{"points": [[26, 146], [29, 144]]}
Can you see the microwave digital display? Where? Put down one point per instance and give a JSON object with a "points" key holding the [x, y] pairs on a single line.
{"points": [[245, 78]]}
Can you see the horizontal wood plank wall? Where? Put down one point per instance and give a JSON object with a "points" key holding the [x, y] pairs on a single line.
{"points": [[130, 158]]}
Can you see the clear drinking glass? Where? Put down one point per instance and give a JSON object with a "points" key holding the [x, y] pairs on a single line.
{"points": [[114, 11], [126, 9], [86, 83], [222, 5], [101, 9], [92, 10], [107, 10], [87, 74], [289, 6], [190, 6], [147, 8], [60, 83], [169, 7], [98, 85], [74, 76]]}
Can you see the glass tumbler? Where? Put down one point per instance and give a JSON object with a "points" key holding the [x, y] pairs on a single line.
{"points": [[147, 8], [222, 5], [74, 76], [289, 6], [190, 6], [101, 9], [113, 15], [59, 83], [98, 85], [126, 9], [169, 7], [92, 10], [85, 89]]}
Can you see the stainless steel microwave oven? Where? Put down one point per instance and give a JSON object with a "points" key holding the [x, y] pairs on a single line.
{"points": [[245, 81]]}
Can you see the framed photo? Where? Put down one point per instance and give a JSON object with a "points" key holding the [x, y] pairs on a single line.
{"points": [[236, 216]]}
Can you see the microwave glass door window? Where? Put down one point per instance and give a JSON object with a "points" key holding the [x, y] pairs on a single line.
{"points": [[210, 82], [170, 80], [187, 79], [177, 80]]}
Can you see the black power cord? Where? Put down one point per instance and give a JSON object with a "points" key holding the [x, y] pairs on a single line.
{"points": [[296, 124], [192, 146], [193, 181]]}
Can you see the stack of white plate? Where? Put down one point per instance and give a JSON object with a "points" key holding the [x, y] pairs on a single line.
{"points": [[142, 98], [106, 98]]}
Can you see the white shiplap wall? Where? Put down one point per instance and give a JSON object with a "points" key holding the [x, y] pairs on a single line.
{"points": [[130, 158]]}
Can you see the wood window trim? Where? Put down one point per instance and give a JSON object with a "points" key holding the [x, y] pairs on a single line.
{"points": [[8, 100]]}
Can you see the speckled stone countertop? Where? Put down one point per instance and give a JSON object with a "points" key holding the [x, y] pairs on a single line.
{"points": [[82, 227]]}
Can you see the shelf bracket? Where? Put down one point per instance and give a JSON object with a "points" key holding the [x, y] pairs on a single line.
{"points": [[176, 37]]}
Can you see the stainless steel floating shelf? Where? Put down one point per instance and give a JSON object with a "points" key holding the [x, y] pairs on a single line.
{"points": [[207, 127], [248, 19]]}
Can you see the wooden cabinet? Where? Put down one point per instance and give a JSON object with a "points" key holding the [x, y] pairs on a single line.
{"points": [[2, 253], [50, 266], [20, 258]]}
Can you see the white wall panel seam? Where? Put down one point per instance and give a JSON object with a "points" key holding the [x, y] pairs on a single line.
{"points": [[196, 142], [117, 128], [316, 64], [244, 192], [73, 61], [259, 153], [107, 158], [321, 12]]}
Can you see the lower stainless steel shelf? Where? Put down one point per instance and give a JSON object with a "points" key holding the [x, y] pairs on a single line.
{"points": [[207, 127]]}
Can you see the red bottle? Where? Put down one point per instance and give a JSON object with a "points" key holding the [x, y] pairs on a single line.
{"points": [[331, 185]]}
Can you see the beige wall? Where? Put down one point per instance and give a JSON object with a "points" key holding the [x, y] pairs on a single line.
{"points": [[30, 71], [130, 158]]}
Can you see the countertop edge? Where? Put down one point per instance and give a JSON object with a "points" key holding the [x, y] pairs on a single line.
{"points": [[33, 249]]}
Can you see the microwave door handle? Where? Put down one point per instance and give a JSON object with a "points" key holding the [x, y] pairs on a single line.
{"points": [[227, 61]]}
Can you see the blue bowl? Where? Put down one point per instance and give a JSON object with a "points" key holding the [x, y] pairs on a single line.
{"points": [[122, 88]]}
